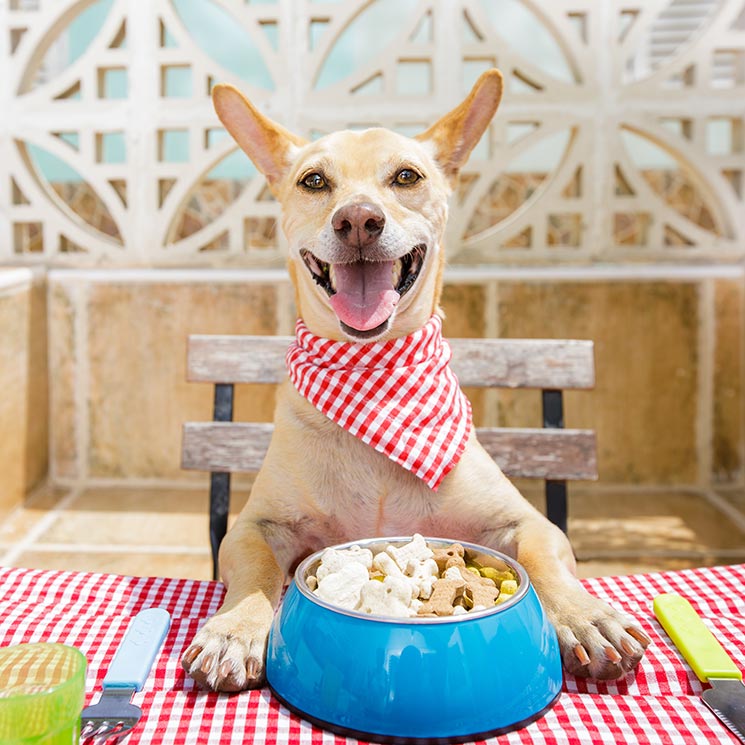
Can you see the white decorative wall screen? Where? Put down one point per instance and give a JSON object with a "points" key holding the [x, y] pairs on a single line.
{"points": [[620, 137]]}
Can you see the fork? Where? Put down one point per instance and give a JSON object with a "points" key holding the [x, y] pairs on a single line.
{"points": [[113, 715]]}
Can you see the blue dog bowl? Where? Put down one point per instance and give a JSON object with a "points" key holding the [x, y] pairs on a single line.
{"points": [[450, 678]]}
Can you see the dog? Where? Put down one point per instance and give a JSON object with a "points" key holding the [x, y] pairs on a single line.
{"points": [[364, 213]]}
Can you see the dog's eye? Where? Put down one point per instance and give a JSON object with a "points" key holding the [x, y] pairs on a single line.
{"points": [[314, 181], [406, 177]]}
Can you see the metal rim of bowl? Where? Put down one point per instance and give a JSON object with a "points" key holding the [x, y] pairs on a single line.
{"points": [[522, 585]]}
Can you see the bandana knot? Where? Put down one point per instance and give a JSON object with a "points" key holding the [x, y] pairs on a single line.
{"points": [[398, 396]]}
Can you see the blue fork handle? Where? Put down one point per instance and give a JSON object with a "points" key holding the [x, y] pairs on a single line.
{"points": [[135, 655]]}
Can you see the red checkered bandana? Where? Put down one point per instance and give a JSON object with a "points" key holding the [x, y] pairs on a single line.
{"points": [[399, 396]]}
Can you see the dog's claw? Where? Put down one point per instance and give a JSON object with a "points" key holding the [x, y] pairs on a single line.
{"points": [[253, 669], [189, 656], [612, 654], [581, 654], [639, 635], [206, 666]]}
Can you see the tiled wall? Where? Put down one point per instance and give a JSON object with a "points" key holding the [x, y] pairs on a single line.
{"points": [[668, 405], [23, 385]]}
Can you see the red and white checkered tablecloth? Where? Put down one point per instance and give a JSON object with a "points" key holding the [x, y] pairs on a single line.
{"points": [[658, 704]]}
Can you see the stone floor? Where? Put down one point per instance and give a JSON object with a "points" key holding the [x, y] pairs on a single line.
{"points": [[163, 531]]}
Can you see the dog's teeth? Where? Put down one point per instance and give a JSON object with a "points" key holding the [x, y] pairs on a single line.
{"points": [[331, 273], [397, 269]]}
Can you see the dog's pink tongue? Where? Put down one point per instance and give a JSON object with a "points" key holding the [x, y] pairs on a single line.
{"points": [[364, 296]]}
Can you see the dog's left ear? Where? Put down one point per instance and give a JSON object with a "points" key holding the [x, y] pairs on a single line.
{"points": [[457, 133]]}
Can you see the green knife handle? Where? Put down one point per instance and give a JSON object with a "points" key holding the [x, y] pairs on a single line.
{"points": [[693, 639]]}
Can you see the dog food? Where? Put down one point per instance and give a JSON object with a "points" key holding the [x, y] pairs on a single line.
{"points": [[410, 580]]}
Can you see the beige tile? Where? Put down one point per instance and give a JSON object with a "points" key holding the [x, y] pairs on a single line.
{"points": [[136, 517], [728, 422], [64, 372], [26, 517], [139, 564], [139, 396], [23, 404], [626, 532], [13, 383], [644, 405], [648, 524], [465, 316], [37, 418], [465, 309], [734, 495]]}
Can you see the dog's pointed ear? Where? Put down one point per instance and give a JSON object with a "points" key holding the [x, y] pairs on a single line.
{"points": [[267, 143], [457, 133]]}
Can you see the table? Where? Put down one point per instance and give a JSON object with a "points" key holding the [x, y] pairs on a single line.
{"points": [[658, 704]]}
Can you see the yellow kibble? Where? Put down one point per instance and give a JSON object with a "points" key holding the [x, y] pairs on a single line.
{"points": [[508, 587], [497, 575], [474, 570]]}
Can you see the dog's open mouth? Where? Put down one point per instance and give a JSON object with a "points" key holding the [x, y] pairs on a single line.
{"points": [[364, 294]]}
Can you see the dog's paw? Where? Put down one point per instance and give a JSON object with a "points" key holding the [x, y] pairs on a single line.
{"points": [[226, 656], [597, 641]]}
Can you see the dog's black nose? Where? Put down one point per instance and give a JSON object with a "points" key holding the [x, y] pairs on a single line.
{"points": [[358, 224]]}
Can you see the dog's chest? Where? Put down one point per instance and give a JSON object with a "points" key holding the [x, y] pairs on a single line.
{"points": [[350, 489], [368, 495]]}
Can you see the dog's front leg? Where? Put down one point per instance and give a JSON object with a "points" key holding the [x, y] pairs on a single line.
{"points": [[595, 640], [228, 652]]}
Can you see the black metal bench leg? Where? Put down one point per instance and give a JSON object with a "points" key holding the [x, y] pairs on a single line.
{"points": [[556, 491], [556, 503], [220, 482], [219, 508]]}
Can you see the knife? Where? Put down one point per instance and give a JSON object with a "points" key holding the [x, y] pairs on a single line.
{"points": [[702, 651]]}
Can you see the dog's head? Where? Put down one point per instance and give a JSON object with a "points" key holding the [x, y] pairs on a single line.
{"points": [[364, 212]]}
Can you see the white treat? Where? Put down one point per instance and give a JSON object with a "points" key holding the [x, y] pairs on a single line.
{"points": [[417, 550], [333, 560], [423, 574], [343, 587], [387, 564], [391, 597]]}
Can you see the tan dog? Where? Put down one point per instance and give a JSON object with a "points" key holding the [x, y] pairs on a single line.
{"points": [[364, 214]]}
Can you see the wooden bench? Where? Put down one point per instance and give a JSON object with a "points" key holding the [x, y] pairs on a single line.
{"points": [[552, 453]]}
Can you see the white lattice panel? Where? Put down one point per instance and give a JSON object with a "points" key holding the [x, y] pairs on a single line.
{"points": [[620, 136]]}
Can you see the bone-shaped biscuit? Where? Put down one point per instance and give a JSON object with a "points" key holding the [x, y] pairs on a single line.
{"points": [[391, 597], [332, 560], [449, 556], [416, 550], [343, 586], [387, 564], [423, 575], [445, 592], [480, 591]]}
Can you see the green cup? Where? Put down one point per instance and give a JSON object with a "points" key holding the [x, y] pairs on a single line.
{"points": [[42, 692]]}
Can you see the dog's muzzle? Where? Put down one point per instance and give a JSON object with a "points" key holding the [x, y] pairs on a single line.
{"points": [[364, 294]]}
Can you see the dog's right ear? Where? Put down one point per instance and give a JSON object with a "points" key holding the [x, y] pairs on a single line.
{"points": [[457, 133], [268, 144]]}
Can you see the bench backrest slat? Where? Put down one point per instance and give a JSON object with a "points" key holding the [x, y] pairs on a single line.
{"points": [[530, 453], [483, 363]]}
